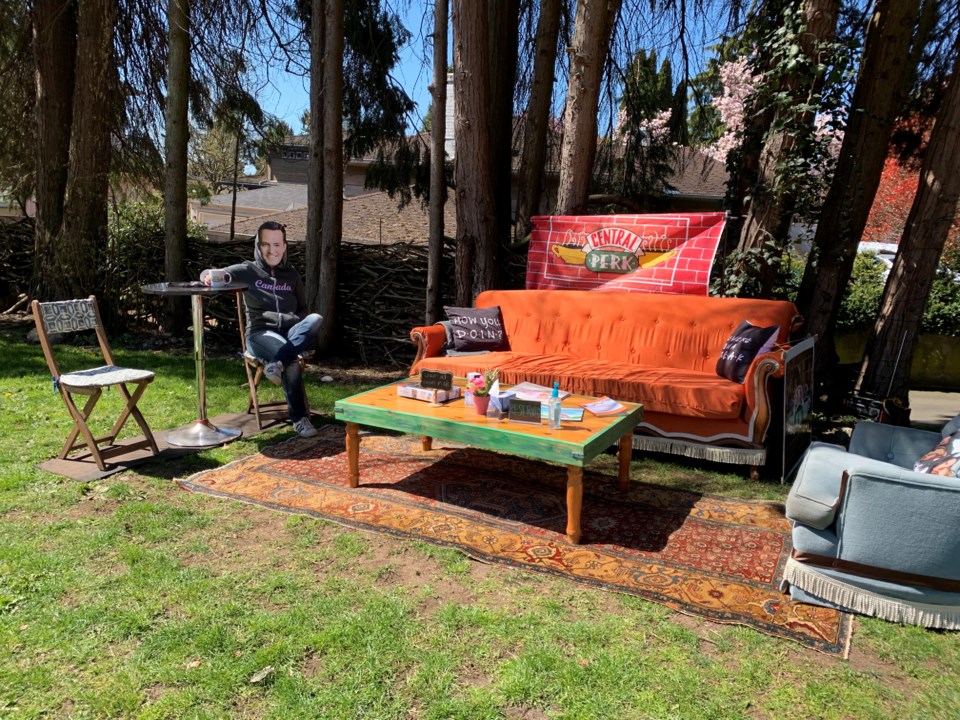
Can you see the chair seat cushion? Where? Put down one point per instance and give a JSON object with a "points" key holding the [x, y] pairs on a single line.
{"points": [[104, 376]]}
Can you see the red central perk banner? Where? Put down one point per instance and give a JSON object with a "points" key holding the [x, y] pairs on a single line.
{"points": [[666, 253]]}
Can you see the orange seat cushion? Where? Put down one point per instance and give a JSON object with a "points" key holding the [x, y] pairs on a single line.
{"points": [[668, 390]]}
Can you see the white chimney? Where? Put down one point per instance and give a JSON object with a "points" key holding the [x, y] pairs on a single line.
{"points": [[449, 143]]}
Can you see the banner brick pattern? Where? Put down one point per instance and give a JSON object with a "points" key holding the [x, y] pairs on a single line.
{"points": [[666, 253]]}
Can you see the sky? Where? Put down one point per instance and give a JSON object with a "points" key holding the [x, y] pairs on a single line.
{"points": [[289, 96]]}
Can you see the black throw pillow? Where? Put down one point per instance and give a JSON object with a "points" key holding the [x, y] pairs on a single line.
{"points": [[475, 329], [746, 342]]}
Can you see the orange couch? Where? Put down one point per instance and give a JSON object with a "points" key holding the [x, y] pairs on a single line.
{"points": [[660, 350]]}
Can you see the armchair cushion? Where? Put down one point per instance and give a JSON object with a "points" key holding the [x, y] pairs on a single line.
{"points": [[817, 489], [900, 446]]}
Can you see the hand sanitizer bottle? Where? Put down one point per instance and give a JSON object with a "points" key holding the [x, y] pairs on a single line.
{"points": [[553, 408]]}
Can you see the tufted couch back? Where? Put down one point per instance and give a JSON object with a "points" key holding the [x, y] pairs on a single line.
{"points": [[653, 329]]}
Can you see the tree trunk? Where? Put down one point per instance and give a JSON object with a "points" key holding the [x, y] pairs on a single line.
{"points": [[503, 26], [588, 53], [55, 54], [476, 240], [82, 243], [175, 179], [236, 176], [315, 176], [537, 123], [772, 204], [331, 228], [889, 355], [438, 177], [876, 101]]}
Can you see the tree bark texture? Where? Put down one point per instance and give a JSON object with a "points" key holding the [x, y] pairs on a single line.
{"points": [[588, 53], [54, 51], [476, 240], [537, 122], [504, 23], [175, 168], [771, 207], [315, 175], [95, 111], [331, 228], [889, 355], [438, 178], [877, 99]]}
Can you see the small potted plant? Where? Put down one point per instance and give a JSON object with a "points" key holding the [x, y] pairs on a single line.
{"points": [[479, 386]]}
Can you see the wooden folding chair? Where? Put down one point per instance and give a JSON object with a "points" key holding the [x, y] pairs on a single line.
{"points": [[73, 316], [274, 409]]}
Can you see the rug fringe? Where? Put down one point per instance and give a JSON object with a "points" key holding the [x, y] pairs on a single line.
{"points": [[855, 599], [742, 456]]}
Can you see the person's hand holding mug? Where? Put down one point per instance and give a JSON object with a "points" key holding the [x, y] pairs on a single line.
{"points": [[215, 277]]}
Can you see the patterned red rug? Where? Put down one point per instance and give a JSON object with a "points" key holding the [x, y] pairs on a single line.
{"points": [[704, 555]]}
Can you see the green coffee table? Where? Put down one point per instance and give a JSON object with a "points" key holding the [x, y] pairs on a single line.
{"points": [[574, 445]]}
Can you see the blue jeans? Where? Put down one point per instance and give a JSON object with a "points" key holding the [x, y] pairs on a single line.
{"points": [[273, 346]]}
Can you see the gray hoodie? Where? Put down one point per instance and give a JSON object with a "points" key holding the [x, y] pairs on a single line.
{"points": [[275, 299]]}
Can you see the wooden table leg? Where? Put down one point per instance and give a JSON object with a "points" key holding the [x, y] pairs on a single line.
{"points": [[624, 455], [574, 502], [426, 443], [353, 454]]}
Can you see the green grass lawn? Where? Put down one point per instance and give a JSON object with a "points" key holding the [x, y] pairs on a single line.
{"points": [[130, 598]]}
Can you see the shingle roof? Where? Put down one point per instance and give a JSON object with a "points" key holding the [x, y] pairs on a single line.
{"points": [[284, 196], [370, 219]]}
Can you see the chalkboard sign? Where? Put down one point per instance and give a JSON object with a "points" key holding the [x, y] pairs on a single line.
{"points": [[527, 411], [436, 379]]}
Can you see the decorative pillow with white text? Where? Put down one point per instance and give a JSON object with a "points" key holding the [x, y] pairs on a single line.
{"points": [[746, 342], [475, 329]]}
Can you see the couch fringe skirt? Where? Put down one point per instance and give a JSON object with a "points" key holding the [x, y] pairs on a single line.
{"points": [[742, 456], [858, 600]]}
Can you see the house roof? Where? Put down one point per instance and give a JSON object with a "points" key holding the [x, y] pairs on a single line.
{"points": [[697, 174], [283, 196], [370, 219]]}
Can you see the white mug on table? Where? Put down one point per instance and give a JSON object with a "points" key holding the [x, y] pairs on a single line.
{"points": [[215, 277]]}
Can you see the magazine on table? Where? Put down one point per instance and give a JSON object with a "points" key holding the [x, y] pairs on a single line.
{"points": [[604, 406], [532, 391]]}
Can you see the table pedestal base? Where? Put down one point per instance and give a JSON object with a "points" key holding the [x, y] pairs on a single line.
{"points": [[201, 433]]}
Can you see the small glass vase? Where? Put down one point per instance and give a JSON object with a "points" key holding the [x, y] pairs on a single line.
{"points": [[480, 404]]}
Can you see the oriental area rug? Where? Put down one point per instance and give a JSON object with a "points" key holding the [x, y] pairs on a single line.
{"points": [[705, 555]]}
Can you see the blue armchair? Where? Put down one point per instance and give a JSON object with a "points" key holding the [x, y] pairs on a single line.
{"points": [[872, 536]]}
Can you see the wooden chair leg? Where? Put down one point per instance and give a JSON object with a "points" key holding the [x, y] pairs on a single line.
{"points": [[80, 426], [131, 410]]}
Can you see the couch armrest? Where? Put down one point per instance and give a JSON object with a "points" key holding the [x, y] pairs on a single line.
{"points": [[901, 446], [756, 386], [429, 340], [898, 519]]}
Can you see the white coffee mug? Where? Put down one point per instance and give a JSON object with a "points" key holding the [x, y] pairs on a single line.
{"points": [[217, 277]]}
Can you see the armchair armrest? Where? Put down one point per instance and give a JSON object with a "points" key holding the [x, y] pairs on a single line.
{"points": [[818, 486], [430, 340], [894, 518]]}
